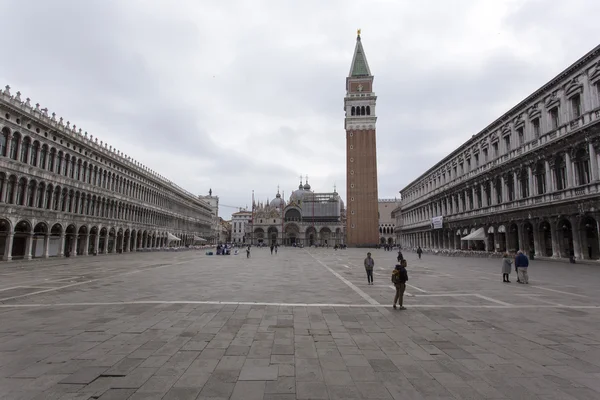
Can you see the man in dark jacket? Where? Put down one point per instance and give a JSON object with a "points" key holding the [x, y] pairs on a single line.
{"points": [[399, 278], [521, 264]]}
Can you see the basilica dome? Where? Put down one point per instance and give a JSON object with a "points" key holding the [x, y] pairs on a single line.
{"points": [[277, 202], [298, 195]]}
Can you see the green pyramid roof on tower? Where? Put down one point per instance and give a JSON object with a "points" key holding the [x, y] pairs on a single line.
{"points": [[359, 66]]}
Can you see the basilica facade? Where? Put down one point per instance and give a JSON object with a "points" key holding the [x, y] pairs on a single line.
{"points": [[307, 219], [63, 192], [528, 181]]}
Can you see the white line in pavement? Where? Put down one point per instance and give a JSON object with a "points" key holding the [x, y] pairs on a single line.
{"points": [[123, 303], [346, 266], [90, 281], [536, 298], [347, 282], [492, 300], [416, 288], [558, 291]]}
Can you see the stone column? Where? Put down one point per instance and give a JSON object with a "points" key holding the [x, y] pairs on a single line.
{"points": [[576, 238], [593, 162], [536, 240], [520, 237], [61, 246], [555, 244], [8, 247], [87, 244], [134, 237], [28, 246], [46, 253], [74, 245], [517, 186], [493, 193], [530, 181], [549, 180], [106, 240], [569, 169], [496, 241], [504, 186], [97, 242]]}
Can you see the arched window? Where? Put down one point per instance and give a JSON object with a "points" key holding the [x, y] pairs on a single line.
{"points": [[524, 179], [31, 194], [540, 177], [368, 110], [40, 195], [33, 158], [43, 156], [3, 141], [25, 150], [59, 163], [582, 167], [78, 171], [66, 163], [14, 145], [56, 204], [21, 192], [353, 111], [498, 187], [10, 189], [73, 167], [52, 160], [49, 192], [362, 110]]}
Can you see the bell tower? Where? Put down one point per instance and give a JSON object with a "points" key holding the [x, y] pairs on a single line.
{"points": [[362, 215]]}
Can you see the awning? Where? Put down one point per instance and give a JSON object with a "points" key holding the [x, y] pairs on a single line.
{"points": [[171, 237], [199, 239], [479, 234]]}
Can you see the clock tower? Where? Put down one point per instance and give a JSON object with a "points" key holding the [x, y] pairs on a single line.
{"points": [[362, 215]]}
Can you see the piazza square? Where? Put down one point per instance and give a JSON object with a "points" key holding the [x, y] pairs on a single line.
{"points": [[299, 324]]}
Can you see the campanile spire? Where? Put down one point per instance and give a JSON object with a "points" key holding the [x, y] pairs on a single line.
{"points": [[362, 220]]}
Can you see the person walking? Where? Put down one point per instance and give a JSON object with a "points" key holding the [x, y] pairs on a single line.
{"points": [[369, 264], [248, 252], [272, 246], [506, 267], [400, 256], [522, 263], [276, 246], [419, 252], [399, 278]]}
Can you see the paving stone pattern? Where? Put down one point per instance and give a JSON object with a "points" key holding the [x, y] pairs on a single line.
{"points": [[302, 324]]}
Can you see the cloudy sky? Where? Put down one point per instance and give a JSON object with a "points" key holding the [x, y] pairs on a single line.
{"points": [[245, 95]]}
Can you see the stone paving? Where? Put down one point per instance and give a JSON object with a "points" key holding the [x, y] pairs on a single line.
{"points": [[302, 324]]}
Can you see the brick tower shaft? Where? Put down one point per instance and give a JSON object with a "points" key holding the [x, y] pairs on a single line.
{"points": [[361, 153]]}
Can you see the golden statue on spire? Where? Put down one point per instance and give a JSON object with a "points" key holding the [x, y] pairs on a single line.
{"points": [[358, 32]]}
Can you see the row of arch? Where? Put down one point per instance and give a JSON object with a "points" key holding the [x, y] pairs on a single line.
{"points": [[47, 196], [292, 234], [360, 110], [26, 240], [35, 153], [563, 171], [575, 236]]}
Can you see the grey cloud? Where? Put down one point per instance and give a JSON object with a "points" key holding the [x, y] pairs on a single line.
{"points": [[239, 96]]}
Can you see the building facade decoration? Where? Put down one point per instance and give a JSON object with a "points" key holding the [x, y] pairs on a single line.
{"points": [[528, 181], [387, 221], [239, 226], [361, 152], [62, 192], [307, 219], [214, 236]]}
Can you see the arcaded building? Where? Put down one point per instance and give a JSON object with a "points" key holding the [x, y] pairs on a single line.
{"points": [[528, 181], [63, 192], [361, 152]]}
